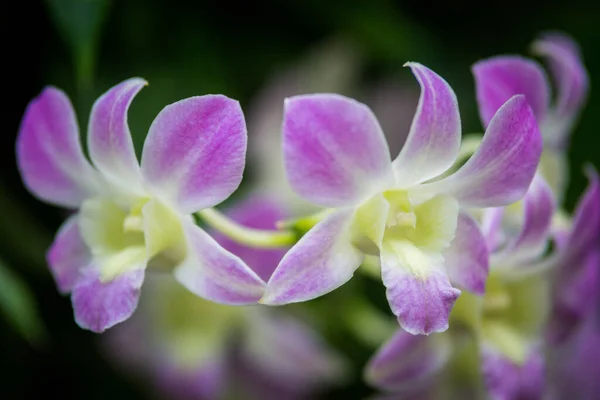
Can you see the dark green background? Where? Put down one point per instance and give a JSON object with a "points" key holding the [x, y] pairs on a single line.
{"points": [[186, 48]]}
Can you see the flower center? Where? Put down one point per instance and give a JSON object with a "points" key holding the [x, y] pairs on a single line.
{"points": [[430, 226], [114, 236]]}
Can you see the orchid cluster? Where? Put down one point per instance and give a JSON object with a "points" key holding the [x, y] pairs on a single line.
{"points": [[492, 286]]}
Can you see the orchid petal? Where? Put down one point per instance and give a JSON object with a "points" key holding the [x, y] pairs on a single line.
{"points": [[290, 352], [109, 140], [323, 260], [497, 79], [195, 151], [572, 302], [418, 289], [573, 373], [566, 65], [491, 227], [532, 241], [211, 272], [433, 142], [100, 305], [503, 166], [49, 154], [335, 152], [585, 230], [406, 361], [467, 259], [206, 381], [68, 255], [260, 213], [507, 380]]}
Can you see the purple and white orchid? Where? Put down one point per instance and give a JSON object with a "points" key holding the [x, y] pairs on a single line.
{"points": [[506, 323], [195, 349], [131, 217], [499, 78], [336, 156]]}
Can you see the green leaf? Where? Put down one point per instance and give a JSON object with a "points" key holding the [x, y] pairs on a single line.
{"points": [[80, 22], [17, 306]]}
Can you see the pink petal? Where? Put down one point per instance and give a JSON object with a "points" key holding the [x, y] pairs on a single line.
{"points": [[539, 207], [434, 139], [564, 59], [49, 154], [406, 361], [467, 258], [585, 230], [334, 150], [68, 255], [503, 166], [195, 151], [506, 380], [286, 351], [497, 79], [575, 291], [213, 273], [99, 306], [421, 303], [323, 260], [109, 140], [491, 227], [257, 212]]}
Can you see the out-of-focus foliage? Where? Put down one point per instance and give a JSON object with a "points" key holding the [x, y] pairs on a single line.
{"points": [[17, 306], [80, 23]]}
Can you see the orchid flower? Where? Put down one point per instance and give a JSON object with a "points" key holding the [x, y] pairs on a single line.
{"points": [[572, 358], [499, 78], [506, 322], [576, 264], [336, 156], [255, 352], [133, 217]]}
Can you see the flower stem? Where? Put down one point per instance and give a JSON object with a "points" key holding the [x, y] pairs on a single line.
{"points": [[249, 236]]}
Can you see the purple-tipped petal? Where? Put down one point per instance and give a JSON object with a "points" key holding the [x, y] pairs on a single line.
{"points": [[49, 154], [506, 380], [260, 213], [195, 151], [585, 230], [213, 273], [68, 255], [564, 59], [467, 258], [290, 353], [573, 364], [503, 166], [323, 260], [99, 306], [109, 140], [491, 227], [574, 297], [497, 79], [434, 139], [206, 381], [335, 152], [539, 207], [406, 361], [421, 300]]}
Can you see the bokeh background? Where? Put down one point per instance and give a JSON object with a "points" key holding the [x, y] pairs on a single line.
{"points": [[186, 48]]}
